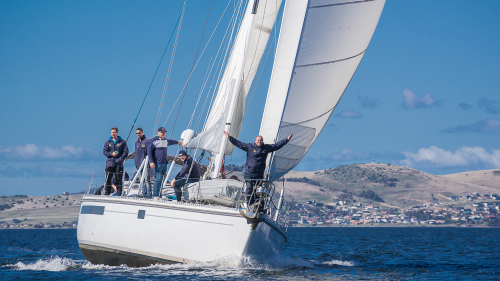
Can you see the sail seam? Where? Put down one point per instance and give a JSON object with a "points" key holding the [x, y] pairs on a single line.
{"points": [[305, 121], [328, 62], [339, 4]]}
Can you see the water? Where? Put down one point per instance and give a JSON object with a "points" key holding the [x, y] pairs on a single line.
{"points": [[311, 254]]}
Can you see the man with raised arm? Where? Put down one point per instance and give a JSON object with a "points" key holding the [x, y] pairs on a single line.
{"points": [[157, 154], [116, 150], [189, 173], [256, 159]]}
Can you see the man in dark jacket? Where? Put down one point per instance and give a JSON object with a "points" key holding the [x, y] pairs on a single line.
{"points": [[189, 173], [116, 150], [157, 154], [256, 159], [141, 153]]}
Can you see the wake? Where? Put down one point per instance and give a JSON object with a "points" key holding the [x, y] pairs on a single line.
{"points": [[221, 266]]}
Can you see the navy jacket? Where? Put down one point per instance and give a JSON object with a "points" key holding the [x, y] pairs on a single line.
{"points": [[186, 166], [109, 147], [157, 150], [256, 156], [141, 151]]}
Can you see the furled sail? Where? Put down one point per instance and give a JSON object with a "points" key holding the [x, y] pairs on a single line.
{"points": [[210, 137], [320, 46]]}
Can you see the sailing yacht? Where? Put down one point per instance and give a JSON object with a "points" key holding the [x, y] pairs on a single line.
{"points": [[320, 45]]}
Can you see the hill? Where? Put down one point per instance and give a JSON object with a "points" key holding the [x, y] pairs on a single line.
{"points": [[396, 186], [34, 209]]}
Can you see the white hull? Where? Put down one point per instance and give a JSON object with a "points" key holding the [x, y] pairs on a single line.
{"points": [[111, 231]]}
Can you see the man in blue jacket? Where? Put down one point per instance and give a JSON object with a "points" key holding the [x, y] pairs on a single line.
{"points": [[141, 153], [116, 150], [256, 160], [157, 154], [189, 173]]}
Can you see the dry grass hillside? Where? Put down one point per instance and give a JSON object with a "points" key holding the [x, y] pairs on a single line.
{"points": [[396, 185], [54, 209]]}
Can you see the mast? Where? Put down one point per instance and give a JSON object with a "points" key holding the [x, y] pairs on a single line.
{"points": [[236, 90]]}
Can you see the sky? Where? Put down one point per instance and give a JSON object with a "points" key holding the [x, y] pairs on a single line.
{"points": [[426, 94]]}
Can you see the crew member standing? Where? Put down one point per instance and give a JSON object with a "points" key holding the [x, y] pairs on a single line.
{"points": [[116, 150], [158, 157], [256, 159], [141, 153]]}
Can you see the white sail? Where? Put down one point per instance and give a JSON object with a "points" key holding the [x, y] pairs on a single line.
{"points": [[210, 137], [320, 46]]}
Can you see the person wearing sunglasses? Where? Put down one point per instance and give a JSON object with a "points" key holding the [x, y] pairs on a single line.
{"points": [[141, 153], [189, 173]]}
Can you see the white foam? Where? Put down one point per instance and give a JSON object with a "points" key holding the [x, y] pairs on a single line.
{"points": [[51, 264], [337, 262]]}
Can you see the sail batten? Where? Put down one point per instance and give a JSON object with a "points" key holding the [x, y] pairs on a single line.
{"points": [[319, 49]]}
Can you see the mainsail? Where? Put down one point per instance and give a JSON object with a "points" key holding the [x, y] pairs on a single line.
{"points": [[320, 46], [210, 137]]}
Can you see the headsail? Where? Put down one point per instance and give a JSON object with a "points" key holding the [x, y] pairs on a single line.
{"points": [[320, 46], [210, 137]]}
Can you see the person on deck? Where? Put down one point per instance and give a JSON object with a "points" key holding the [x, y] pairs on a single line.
{"points": [[158, 157], [189, 173], [141, 153], [114, 183], [116, 150], [256, 160]]}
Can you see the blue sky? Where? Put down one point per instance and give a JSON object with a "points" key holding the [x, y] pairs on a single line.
{"points": [[426, 94]]}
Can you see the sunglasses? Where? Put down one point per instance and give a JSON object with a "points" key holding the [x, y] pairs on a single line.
{"points": [[138, 133]]}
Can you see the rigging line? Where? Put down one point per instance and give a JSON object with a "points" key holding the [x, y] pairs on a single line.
{"points": [[258, 40], [260, 71], [192, 68], [231, 27], [154, 76], [205, 80], [169, 71], [209, 39]]}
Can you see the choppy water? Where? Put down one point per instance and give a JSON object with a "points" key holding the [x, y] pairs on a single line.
{"points": [[310, 254]]}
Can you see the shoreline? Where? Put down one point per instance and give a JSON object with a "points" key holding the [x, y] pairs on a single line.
{"points": [[316, 226], [396, 226]]}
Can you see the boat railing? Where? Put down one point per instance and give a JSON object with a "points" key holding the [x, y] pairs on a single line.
{"points": [[267, 200], [265, 193]]}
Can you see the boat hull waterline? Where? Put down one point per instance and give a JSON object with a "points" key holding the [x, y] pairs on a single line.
{"points": [[141, 232]]}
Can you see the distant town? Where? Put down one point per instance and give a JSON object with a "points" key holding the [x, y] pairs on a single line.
{"points": [[15, 223], [474, 209]]}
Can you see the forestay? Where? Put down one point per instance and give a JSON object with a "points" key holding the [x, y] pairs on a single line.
{"points": [[210, 137], [320, 46]]}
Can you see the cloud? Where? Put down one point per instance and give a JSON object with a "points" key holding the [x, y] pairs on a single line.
{"points": [[486, 126], [412, 101], [33, 152], [347, 155], [490, 106], [44, 171], [465, 106], [348, 114], [367, 102], [332, 128], [462, 157]]}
